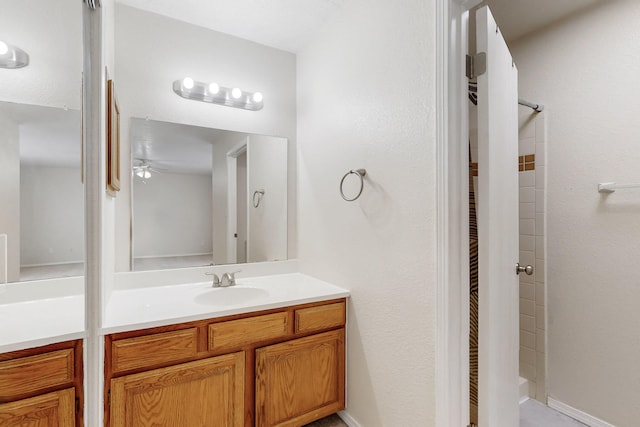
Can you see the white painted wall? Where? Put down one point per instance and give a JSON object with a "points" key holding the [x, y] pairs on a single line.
{"points": [[172, 215], [585, 70], [10, 195], [51, 33], [152, 51], [366, 99], [267, 223], [52, 213]]}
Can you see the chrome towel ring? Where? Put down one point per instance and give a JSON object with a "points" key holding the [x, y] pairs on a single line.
{"points": [[256, 201], [361, 173]]}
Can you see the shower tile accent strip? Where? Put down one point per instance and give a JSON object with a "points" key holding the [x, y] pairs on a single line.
{"points": [[527, 162], [532, 242]]}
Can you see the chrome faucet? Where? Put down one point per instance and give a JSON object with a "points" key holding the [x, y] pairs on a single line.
{"points": [[216, 280], [228, 279]]}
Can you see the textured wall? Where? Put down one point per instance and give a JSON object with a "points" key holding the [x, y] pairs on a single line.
{"points": [[585, 70], [366, 97]]}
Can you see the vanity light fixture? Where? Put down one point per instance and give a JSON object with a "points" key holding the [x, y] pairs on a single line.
{"points": [[12, 56], [216, 94]]}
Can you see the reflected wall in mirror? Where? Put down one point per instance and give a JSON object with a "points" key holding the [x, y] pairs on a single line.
{"points": [[151, 52], [41, 193], [206, 196]]}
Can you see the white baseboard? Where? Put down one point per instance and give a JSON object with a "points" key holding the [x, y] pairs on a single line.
{"points": [[574, 413], [348, 419]]}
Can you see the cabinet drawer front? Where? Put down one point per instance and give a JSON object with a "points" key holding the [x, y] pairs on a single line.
{"points": [[32, 373], [320, 317], [236, 333], [52, 409], [156, 349]]}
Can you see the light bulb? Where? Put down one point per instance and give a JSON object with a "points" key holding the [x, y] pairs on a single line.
{"points": [[257, 97], [236, 93], [3, 48], [140, 173], [214, 88], [147, 175], [187, 83]]}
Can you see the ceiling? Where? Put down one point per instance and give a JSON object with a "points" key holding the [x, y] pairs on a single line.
{"points": [[284, 24], [290, 24], [517, 18]]}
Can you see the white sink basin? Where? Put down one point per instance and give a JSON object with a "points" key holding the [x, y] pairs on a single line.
{"points": [[231, 295]]}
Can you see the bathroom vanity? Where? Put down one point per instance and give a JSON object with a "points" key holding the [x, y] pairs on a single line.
{"points": [[280, 367], [42, 386], [269, 351]]}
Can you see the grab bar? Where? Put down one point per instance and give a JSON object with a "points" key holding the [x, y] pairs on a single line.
{"points": [[610, 187]]}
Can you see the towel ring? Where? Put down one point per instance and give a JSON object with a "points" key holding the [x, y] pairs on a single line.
{"points": [[361, 173], [260, 194]]}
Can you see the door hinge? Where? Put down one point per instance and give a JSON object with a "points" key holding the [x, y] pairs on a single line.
{"points": [[77, 405], [476, 65]]}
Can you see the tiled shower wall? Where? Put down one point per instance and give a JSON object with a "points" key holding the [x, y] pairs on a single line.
{"points": [[532, 152]]}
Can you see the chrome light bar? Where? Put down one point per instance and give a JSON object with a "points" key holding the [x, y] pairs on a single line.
{"points": [[215, 94]]}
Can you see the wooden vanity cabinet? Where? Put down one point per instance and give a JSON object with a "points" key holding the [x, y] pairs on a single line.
{"points": [[42, 386], [281, 367]]}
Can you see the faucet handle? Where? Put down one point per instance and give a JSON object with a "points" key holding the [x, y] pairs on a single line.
{"points": [[232, 276], [216, 279]]}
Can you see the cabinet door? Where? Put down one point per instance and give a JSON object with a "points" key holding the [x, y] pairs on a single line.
{"points": [[55, 409], [300, 381], [204, 393]]}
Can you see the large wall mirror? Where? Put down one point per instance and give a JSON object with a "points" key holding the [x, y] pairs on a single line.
{"points": [[41, 190], [206, 185], [203, 196]]}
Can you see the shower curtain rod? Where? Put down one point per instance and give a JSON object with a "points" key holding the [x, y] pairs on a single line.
{"points": [[536, 107]]}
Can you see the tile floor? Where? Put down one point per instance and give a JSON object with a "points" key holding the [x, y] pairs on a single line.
{"points": [[536, 414], [330, 421], [532, 414]]}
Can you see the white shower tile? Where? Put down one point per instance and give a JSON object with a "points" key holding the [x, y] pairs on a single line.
{"points": [[539, 226], [540, 154], [527, 323], [527, 291], [539, 247], [528, 371], [539, 267], [528, 227], [525, 278], [527, 339], [527, 258], [527, 210], [527, 179], [527, 307], [540, 334], [540, 170], [527, 146], [540, 317], [540, 364], [528, 356], [527, 195], [526, 126], [539, 201], [527, 243], [539, 294], [540, 128]]}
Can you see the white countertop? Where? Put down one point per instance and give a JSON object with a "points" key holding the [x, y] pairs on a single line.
{"points": [[148, 307], [28, 324], [32, 315]]}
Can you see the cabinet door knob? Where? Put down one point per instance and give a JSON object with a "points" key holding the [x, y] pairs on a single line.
{"points": [[522, 269]]}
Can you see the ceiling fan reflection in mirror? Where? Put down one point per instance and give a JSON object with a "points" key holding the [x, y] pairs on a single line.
{"points": [[143, 169]]}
